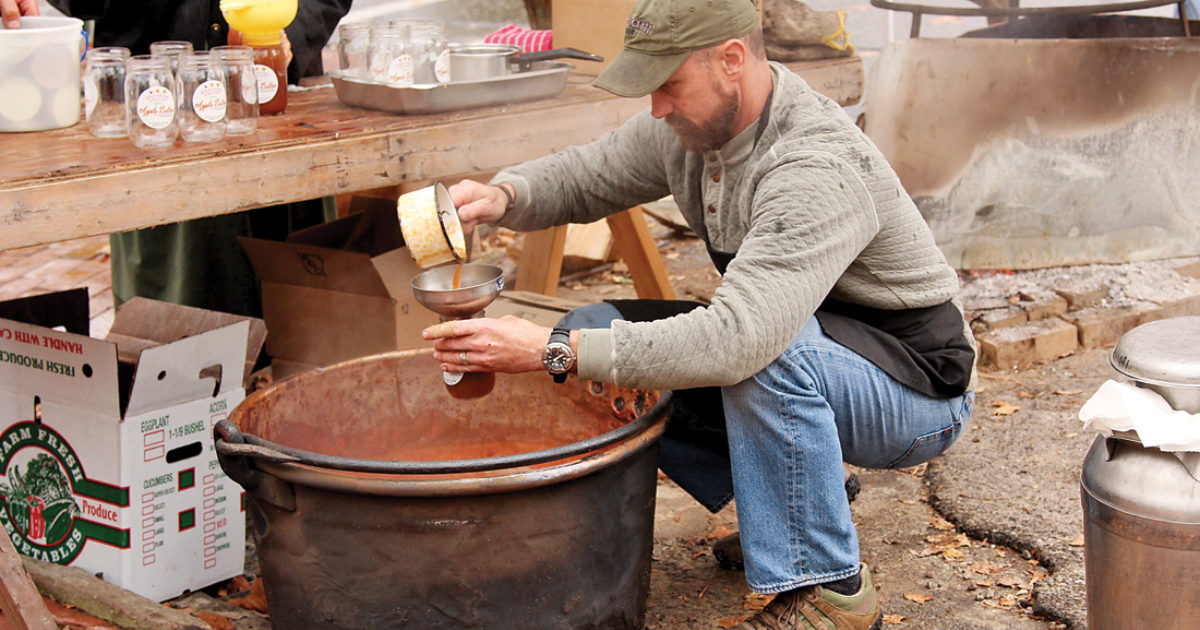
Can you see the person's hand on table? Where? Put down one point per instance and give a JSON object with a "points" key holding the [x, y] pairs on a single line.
{"points": [[509, 344], [12, 10], [478, 203]]}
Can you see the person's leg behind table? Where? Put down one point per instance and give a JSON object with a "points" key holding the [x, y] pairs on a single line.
{"points": [[790, 428]]}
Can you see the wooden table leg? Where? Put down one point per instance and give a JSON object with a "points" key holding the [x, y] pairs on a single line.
{"points": [[541, 260], [22, 604], [634, 245]]}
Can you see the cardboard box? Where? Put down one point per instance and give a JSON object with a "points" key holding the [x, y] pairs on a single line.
{"points": [[595, 26], [542, 310], [338, 291], [106, 451]]}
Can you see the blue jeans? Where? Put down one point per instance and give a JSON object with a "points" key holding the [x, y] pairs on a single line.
{"points": [[789, 428]]}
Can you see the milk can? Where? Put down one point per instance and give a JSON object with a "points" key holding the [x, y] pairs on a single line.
{"points": [[1141, 504]]}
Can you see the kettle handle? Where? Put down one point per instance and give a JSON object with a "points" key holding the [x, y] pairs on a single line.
{"points": [[234, 454]]}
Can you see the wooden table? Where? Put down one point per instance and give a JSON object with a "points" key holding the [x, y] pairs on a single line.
{"points": [[64, 184]]}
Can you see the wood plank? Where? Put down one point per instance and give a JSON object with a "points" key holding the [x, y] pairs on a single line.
{"points": [[541, 260], [22, 604], [82, 590], [635, 246]]}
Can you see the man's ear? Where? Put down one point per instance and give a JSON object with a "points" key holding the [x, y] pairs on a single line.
{"points": [[731, 58]]}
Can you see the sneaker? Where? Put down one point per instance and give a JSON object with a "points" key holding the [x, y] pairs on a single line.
{"points": [[728, 549], [816, 608]]}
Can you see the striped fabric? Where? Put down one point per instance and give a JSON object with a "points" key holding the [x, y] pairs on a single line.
{"points": [[528, 39]]}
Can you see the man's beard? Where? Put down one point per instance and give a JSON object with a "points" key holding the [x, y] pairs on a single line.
{"points": [[710, 134]]}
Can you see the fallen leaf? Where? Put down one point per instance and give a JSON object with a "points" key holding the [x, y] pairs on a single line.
{"points": [[1004, 408], [907, 501], [938, 522], [986, 583], [256, 600], [1077, 541], [215, 621], [953, 554], [920, 598], [1068, 392], [1024, 394], [720, 531], [756, 601], [985, 567], [893, 619], [1012, 582], [729, 622]]}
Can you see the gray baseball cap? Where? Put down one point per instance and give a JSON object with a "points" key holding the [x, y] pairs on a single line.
{"points": [[660, 34]]}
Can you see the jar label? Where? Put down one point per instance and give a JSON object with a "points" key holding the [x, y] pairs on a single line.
{"points": [[400, 71], [249, 90], [208, 101], [156, 107], [268, 83], [91, 95], [441, 67]]}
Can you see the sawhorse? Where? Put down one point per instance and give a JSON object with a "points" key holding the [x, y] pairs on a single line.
{"points": [[542, 255]]}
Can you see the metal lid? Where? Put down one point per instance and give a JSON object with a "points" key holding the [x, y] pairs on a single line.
{"points": [[1165, 352]]}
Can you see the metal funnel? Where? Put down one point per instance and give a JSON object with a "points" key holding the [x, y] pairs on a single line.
{"points": [[478, 285]]}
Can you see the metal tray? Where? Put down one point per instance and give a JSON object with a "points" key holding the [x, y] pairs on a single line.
{"points": [[543, 80]]}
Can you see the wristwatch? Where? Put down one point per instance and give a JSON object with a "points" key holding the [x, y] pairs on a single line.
{"points": [[557, 356]]}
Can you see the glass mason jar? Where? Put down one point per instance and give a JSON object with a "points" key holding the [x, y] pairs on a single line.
{"points": [[104, 91], [150, 101], [241, 88], [354, 41], [390, 58], [431, 53], [172, 50], [202, 98]]}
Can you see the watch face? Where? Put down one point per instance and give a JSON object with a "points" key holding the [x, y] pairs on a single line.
{"points": [[558, 358]]}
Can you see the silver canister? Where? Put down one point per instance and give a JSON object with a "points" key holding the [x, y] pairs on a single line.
{"points": [[104, 91], [1141, 504], [241, 88], [150, 103], [202, 98]]}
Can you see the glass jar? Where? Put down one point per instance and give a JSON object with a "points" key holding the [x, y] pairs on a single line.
{"points": [[202, 98], [270, 68], [104, 91], [172, 50], [150, 101], [390, 59], [431, 53], [241, 88], [354, 41]]}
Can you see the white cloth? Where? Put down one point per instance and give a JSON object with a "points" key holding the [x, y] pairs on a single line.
{"points": [[1124, 407]]}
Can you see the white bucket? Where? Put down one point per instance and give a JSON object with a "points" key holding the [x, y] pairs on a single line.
{"points": [[39, 74]]}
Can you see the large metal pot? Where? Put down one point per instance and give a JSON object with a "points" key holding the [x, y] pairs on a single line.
{"points": [[481, 62], [377, 501], [1142, 505]]}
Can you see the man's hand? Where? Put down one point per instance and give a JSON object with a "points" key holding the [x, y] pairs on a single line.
{"points": [[509, 344], [477, 203], [12, 10]]}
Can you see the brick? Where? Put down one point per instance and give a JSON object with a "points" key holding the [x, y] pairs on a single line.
{"points": [[1191, 270], [1102, 327], [1045, 308], [1006, 317], [1021, 346], [1081, 296], [1184, 302]]}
